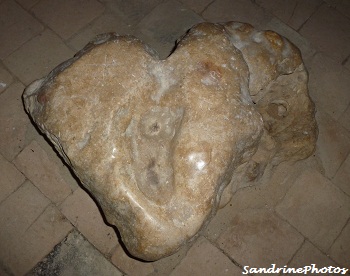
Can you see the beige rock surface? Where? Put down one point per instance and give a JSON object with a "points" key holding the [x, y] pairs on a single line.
{"points": [[157, 142]]}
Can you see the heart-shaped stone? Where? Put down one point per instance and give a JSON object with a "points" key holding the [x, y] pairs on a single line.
{"points": [[156, 142]]}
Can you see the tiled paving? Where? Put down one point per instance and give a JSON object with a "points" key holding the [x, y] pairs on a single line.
{"points": [[299, 215]]}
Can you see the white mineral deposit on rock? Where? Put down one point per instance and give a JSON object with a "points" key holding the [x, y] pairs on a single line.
{"points": [[158, 143]]}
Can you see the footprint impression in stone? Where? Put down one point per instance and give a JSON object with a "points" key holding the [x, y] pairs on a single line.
{"points": [[156, 142]]}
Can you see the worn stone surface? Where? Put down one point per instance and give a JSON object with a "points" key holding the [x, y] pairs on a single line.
{"points": [[333, 144], [266, 193], [13, 121], [129, 265], [329, 85], [5, 79], [239, 10], [294, 13], [66, 17], [133, 10], [157, 142], [162, 36], [165, 265], [42, 172], [197, 5], [45, 51], [259, 238], [29, 228], [74, 256], [205, 259], [279, 91], [309, 254], [83, 213], [326, 26], [316, 208], [104, 24], [10, 179], [340, 250], [17, 26], [342, 177]]}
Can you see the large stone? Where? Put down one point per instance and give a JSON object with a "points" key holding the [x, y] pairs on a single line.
{"points": [[158, 142]]}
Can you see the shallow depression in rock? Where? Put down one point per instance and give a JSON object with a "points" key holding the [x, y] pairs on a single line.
{"points": [[160, 142]]}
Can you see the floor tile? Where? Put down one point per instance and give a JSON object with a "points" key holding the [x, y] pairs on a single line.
{"points": [[16, 27], [258, 238], [316, 208], [84, 214], [294, 13], [5, 79], [222, 219], [10, 178], [49, 229], [35, 164], [329, 84], [198, 6], [66, 17], [20, 210], [247, 230], [346, 62], [65, 172], [166, 265], [24, 251], [17, 213], [340, 250], [75, 256], [342, 178], [38, 57], [165, 24], [3, 272], [239, 10], [342, 6], [270, 190], [27, 4], [51, 226], [344, 119], [307, 255], [205, 259], [326, 27], [133, 11], [333, 143], [129, 265], [13, 121], [107, 23]]}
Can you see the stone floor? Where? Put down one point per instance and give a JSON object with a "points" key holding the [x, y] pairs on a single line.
{"points": [[299, 215]]}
